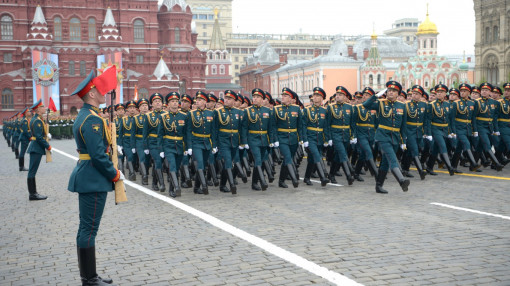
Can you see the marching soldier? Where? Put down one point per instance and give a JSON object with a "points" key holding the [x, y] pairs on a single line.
{"points": [[289, 129], [201, 140], [127, 129], [228, 129], [483, 122], [502, 119], [257, 129], [93, 138], [172, 134], [15, 134], [462, 126], [37, 148], [119, 112], [186, 102], [390, 134], [342, 129], [316, 135], [24, 138], [415, 112], [150, 137], [139, 120], [211, 174]]}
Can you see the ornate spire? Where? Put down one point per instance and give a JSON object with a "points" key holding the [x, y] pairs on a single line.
{"points": [[217, 38], [109, 31], [427, 27], [374, 58], [39, 27], [162, 70]]}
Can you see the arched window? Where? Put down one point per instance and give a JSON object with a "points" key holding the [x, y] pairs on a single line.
{"points": [[431, 44], [7, 100], [370, 79], [92, 30], [75, 29], [57, 29], [424, 44], [6, 28], [487, 34], [143, 93], [495, 34], [71, 68], [213, 69], [138, 29], [83, 68], [378, 79], [177, 35], [222, 69]]}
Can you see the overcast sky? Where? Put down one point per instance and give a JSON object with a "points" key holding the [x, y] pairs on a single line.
{"points": [[455, 19]]}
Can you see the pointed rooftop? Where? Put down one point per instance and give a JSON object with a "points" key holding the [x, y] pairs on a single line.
{"points": [[171, 3], [39, 27], [217, 38], [109, 31], [39, 16], [162, 70], [109, 20]]}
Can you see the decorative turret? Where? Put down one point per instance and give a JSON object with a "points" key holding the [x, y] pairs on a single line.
{"points": [[162, 70], [427, 37], [217, 38], [374, 58], [109, 32], [39, 27]]}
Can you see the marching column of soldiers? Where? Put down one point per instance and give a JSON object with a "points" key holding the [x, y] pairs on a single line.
{"points": [[202, 141]]}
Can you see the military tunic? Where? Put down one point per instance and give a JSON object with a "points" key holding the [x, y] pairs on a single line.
{"points": [[24, 137], [228, 131], [128, 141], [341, 123], [365, 130], [150, 136], [173, 135], [502, 123], [316, 131], [38, 144], [200, 127], [483, 122], [288, 129], [257, 131], [416, 113], [462, 120]]}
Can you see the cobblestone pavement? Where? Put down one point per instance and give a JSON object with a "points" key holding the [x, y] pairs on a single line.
{"points": [[394, 239]]}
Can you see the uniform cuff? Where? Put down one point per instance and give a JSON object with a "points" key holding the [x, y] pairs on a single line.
{"points": [[49, 148], [117, 177]]}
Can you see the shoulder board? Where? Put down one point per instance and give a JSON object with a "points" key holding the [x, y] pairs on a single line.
{"points": [[501, 100], [295, 105], [401, 102], [456, 100], [164, 112], [279, 105], [182, 112], [478, 99], [323, 107], [359, 104], [91, 112], [433, 101], [350, 105], [382, 99]]}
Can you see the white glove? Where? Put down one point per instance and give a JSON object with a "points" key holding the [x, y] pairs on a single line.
{"points": [[300, 142], [326, 144], [330, 142], [276, 144], [133, 150], [403, 146], [246, 146], [122, 178], [162, 154], [429, 138], [215, 150], [454, 135], [475, 134], [119, 150], [497, 133], [450, 136], [354, 140], [48, 136], [241, 147], [305, 144], [380, 93], [146, 151], [271, 145]]}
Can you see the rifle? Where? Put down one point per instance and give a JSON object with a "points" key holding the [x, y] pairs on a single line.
{"points": [[47, 130], [120, 189]]}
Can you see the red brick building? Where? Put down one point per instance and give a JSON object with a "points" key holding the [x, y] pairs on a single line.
{"points": [[78, 31]]}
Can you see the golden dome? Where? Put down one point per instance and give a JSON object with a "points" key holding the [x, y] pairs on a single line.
{"points": [[427, 27]]}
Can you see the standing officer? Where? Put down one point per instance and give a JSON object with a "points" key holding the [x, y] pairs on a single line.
{"points": [[201, 140], [24, 138], [483, 122], [316, 135], [462, 126], [390, 134], [341, 123], [128, 137], [93, 138], [38, 146], [228, 130], [415, 111], [257, 130], [143, 107], [173, 137], [150, 136], [289, 129]]}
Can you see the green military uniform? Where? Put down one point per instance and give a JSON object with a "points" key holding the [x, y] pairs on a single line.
{"points": [[139, 142], [502, 119], [152, 145], [127, 129], [36, 149], [24, 139]]}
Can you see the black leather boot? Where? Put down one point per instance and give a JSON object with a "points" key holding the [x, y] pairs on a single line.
{"points": [[417, 163], [230, 177], [283, 175], [455, 162], [406, 164], [203, 182], [254, 181], [379, 182], [154, 180], [357, 171], [474, 166], [262, 179], [32, 191], [322, 175], [196, 187], [145, 177], [247, 167], [240, 172], [293, 175], [223, 182], [404, 183], [214, 177], [308, 174], [372, 167], [495, 161], [16, 153], [446, 161], [431, 161], [87, 262], [22, 164], [175, 183], [269, 171], [186, 183], [347, 171], [161, 180], [332, 171], [132, 174]]}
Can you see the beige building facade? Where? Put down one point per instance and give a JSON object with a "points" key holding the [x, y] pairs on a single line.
{"points": [[203, 16]]}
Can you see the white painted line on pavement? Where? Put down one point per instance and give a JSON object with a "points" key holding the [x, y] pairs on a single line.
{"points": [[329, 184], [297, 260], [471, 211]]}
